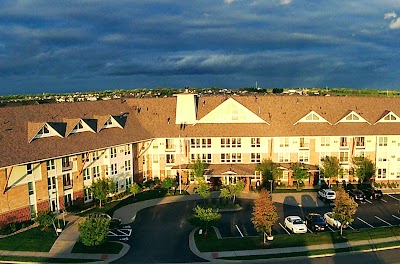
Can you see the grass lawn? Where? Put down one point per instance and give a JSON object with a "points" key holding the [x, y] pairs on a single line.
{"points": [[106, 248], [212, 243], [33, 239]]}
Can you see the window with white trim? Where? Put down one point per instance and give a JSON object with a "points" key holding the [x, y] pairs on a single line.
{"points": [[170, 158], [359, 141], [359, 153], [304, 142], [231, 157], [114, 169], [344, 156], [343, 142], [95, 155], [29, 169], [304, 156], [128, 182], [113, 152], [382, 141], [325, 141], [50, 165], [284, 142], [169, 144], [127, 165], [382, 156], [127, 149], [96, 172], [204, 157], [381, 173], [255, 157], [44, 130], [51, 183], [88, 195], [284, 157], [231, 142], [86, 174], [255, 142]]}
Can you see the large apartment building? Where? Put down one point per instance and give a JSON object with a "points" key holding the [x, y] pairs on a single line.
{"points": [[50, 153]]}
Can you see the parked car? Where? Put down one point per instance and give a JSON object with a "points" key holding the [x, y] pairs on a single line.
{"points": [[326, 195], [332, 221], [315, 222], [295, 224], [373, 193], [114, 222], [357, 195]]}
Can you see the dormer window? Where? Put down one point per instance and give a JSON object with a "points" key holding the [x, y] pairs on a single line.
{"points": [[312, 117], [78, 126], [44, 130], [388, 117], [352, 117]]}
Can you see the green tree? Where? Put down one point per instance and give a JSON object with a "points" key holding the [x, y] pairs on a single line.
{"points": [[344, 209], [94, 231], [45, 219], [135, 189], [101, 188], [198, 167], [364, 168], [264, 214], [167, 183], [232, 190], [206, 216], [331, 167], [300, 173], [203, 190], [269, 170]]}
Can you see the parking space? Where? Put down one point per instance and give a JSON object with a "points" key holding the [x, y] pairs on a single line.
{"points": [[370, 214], [122, 233]]}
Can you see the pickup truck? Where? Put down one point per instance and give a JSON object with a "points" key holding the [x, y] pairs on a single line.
{"points": [[326, 195]]}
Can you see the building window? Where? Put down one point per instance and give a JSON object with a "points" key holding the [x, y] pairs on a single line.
{"points": [[382, 141], [284, 142], [67, 181], [113, 152], [114, 169], [231, 142], [66, 163], [127, 149], [225, 157], [255, 142], [206, 142], [325, 141], [31, 190], [231, 157], [170, 158], [255, 157], [95, 155], [284, 157], [44, 130], [33, 210], [382, 156], [96, 172], [236, 157], [169, 144], [204, 157], [29, 169], [127, 165], [51, 183], [304, 142], [360, 153], [128, 182], [381, 173], [344, 156], [86, 174], [50, 165], [84, 157], [88, 196], [155, 158], [304, 156], [360, 141], [343, 142]]}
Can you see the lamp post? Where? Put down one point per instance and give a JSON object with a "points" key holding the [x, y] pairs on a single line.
{"points": [[271, 181]]}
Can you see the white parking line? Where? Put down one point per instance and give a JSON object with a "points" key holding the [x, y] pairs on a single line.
{"points": [[351, 227], [398, 218], [393, 197], [330, 228], [365, 222], [383, 200], [120, 232], [383, 221], [284, 228], [310, 230], [240, 232], [368, 201]]}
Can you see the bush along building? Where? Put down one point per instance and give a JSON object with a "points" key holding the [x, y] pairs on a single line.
{"points": [[51, 152]]}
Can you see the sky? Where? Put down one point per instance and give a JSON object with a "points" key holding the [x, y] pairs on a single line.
{"points": [[49, 46]]}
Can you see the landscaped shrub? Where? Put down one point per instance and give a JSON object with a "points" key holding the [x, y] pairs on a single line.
{"points": [[45, 219], [13, 227]]}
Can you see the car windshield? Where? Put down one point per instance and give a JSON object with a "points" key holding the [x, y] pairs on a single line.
{"points": [[331, 193], [318, 219], [297, 221]]}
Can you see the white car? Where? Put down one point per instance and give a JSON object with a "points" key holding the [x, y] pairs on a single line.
{"points": [[295, 224], [331, 221]]}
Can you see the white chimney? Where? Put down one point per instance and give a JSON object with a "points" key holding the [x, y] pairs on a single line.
{"points": [[186, 108]]}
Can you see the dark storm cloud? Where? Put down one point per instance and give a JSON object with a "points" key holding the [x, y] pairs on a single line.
{"points": [[50, 46]]}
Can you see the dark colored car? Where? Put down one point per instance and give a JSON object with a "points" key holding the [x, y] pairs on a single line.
{"points": [[373, 193], [316, 222], [357, 195]]}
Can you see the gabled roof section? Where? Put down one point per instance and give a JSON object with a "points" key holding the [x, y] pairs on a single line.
{"points": [[312, 117], [45, 129], [110, 121], [388, 117], [352, 117], [77, 125], [231, 111]]}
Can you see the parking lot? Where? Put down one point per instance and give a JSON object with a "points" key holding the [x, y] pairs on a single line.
{"points": [[370, 214]]}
